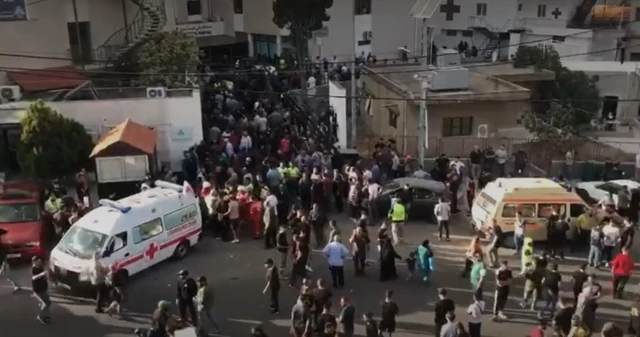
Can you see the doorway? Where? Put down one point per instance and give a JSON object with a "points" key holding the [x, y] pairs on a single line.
{"points": [[9, 146], [81, 49]]}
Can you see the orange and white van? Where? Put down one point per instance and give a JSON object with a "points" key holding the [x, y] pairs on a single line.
{"points": [[129, 235], [535, 198]]}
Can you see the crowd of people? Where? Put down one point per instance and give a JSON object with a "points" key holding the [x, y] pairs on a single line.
{"points": [[269, 166]]}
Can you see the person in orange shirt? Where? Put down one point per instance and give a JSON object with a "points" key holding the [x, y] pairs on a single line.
{"points": [[474, 250], [255, 217], [621, 267]]}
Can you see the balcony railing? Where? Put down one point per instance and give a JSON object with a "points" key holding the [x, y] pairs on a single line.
{"points": [[131, 33], [482, 22]]}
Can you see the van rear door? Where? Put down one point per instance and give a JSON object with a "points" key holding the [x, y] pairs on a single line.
{"points": [[483, 209]]}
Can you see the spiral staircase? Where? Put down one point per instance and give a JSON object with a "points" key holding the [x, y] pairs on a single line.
{"points": [[149, 19]]}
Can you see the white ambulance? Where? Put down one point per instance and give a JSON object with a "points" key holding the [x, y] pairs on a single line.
{"points": [[130, 235]]}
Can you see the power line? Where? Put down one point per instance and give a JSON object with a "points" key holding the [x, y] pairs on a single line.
{"points": [[415, 57], [236, 73]]}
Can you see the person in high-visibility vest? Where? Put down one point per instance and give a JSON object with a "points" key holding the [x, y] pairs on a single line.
{"points": [[398, 216], [527, 253]]}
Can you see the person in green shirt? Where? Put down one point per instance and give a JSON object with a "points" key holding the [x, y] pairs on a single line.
{"points": [[477, 275]]}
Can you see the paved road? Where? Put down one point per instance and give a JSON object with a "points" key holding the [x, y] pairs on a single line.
{"points": [[237, 273]]}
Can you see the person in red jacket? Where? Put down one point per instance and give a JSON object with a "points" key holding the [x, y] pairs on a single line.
{"points": [[255, 216], [622, 267]]}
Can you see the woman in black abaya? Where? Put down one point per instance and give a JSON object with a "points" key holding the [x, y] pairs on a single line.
{"points": [[388, 258]]}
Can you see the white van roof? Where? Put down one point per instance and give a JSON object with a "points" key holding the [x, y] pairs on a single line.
{"points": [[113, 217], [540, 188]]}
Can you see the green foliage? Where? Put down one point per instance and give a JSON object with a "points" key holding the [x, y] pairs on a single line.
{"points": [[52, 146], [166, 57], [567, 103], [302, 18]]}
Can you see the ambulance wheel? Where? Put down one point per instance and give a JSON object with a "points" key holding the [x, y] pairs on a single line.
{"points": [[182, 250], [123, 276]]}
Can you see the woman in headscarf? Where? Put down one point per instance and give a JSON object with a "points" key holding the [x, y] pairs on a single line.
{"points": [[425, 260], [388, 257], [474, 250]]}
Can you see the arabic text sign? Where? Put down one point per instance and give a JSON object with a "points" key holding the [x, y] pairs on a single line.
{"points": [[203, 29], [13, 10]]}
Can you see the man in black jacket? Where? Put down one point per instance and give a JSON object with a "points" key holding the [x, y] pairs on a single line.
{"points": [[443, 306], [187, 289]]}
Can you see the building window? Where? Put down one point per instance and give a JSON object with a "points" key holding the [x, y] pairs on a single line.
{"points": [[452, 32], [238, 6], [481, 9], [558, 38], [467, 33], [610, 106], [394, 113], [265, 45], [194, 8], [634, 57], [81, 51], [457, 126], [362, 7], [542, 11], [519, 7]]}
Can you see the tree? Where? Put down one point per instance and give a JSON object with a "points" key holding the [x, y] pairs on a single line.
{"points": [[167, 58], [569, 102], [52, 146], [302, 18]]}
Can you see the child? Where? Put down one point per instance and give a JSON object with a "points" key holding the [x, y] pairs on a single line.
{"points": [[411, 264], [371, 327]]}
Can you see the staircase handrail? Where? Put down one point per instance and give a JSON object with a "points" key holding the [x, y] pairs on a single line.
{"points": [[127, 34]]}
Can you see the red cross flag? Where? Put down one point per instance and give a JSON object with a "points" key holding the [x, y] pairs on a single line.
{"points": [[187, 189]]}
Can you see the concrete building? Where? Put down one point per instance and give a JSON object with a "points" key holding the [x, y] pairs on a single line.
{"points": [[56, 33], [456, 119], [360, 27]]}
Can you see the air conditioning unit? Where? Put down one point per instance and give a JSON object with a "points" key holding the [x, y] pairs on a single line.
{"points": [[157, 92], [10, 93], [449, 78], [483, 131]]}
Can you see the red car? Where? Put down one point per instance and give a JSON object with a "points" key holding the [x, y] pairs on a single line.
{"points": [[21, 217]]}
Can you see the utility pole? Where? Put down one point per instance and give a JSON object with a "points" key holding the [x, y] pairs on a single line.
{"points": [[353, 104], [423, 137]]}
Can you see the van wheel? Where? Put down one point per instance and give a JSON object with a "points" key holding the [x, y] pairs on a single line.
{"points": [[182, 250]]}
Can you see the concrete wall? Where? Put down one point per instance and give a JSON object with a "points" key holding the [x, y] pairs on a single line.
{"points": [[167, 116], [258, 18], [392, 27], [46, 34], [585, 170], [339, 43]]}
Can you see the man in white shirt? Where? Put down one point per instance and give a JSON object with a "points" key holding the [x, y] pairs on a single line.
{"points": [[475, 315], [443, 214], [501, 159], [311, 86], [336, 253], [518, 232], [610, 240], [271, 201], [374, 192]]}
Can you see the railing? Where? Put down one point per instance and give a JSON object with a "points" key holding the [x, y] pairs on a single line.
{"points": [[129, 34], [541, 153], [482, 22]]}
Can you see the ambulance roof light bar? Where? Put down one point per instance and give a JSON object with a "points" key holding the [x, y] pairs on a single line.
{"points": [[115, 205], [169, 186]]}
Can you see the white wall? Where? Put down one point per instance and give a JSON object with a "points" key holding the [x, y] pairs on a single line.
{"points": [[337, 99], [341, 27], [392, 27], [442, 39], [167, 115], [363, 24]]}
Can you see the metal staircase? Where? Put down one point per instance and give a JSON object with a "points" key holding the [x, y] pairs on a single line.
{"points": [[490, 47], [150, 18], [582, 13]]}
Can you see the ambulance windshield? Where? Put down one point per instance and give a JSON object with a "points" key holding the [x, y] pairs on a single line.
{"points": [[82, 243]]}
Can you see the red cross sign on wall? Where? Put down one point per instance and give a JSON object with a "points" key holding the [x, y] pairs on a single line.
{"points": [[151, 251]]}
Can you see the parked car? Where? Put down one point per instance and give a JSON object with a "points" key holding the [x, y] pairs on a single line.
{"points": [[593, 192], [21, 216], [425, 196]]}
